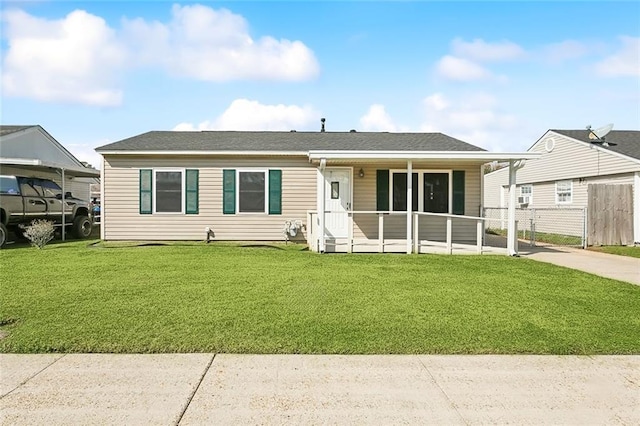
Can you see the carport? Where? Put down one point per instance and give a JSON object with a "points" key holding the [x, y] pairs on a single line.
{"points": [[36, 165]]}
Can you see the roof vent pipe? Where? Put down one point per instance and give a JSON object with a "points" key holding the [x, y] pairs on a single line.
{"points": [[322, 120]]}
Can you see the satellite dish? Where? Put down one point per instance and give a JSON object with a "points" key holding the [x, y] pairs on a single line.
{"points": [[597, 136]]}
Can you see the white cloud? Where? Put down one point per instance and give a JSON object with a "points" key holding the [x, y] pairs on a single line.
{"points": [[625, 62], [563, 51], [79, 58], [244, 114], [378, 120], [460, 69], [214, 45], [73, 59], [476, 119], [480, 50]]}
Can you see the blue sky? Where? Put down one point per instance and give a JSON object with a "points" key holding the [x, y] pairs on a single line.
{"points": [[495, 74]]}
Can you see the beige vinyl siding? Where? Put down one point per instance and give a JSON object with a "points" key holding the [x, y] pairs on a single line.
{"points": [[395, 226], [122, 220], [79, 187], [572, 159], [493, 185], [544, 193], [569, 160]]}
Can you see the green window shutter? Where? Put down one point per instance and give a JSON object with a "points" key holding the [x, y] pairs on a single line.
{"points": [[191, 195], [275, 191], [229, 191], [458, 192], [382, 190], [146, 191]]}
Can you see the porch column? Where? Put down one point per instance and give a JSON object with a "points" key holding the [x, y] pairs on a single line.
{"points": [[409, 205], [62, 203], [102, 201], [636, 207], [511, 216], [321, 206]]}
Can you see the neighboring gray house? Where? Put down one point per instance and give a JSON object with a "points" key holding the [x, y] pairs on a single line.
{"points": [[572, 163], [32, 152], [341, 191]]}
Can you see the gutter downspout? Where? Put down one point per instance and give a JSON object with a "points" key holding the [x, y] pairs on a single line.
{"points": [[321, 206]]}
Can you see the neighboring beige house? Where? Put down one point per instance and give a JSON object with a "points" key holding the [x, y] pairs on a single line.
{"points": [[251, 185], [571, 162], [32, 152]]}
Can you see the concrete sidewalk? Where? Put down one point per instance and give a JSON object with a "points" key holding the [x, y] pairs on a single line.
{"points": [[623, 268], [318, 389]]}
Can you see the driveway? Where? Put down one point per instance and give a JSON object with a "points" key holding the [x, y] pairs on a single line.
{"points": [[623, 268]]}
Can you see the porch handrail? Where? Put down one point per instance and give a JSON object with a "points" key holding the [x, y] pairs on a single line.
{"points": [[453, 216], [415, 233]]}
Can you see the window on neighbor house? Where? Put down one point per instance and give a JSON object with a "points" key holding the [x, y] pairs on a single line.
{"points": [[564, 192], [526, 192]]}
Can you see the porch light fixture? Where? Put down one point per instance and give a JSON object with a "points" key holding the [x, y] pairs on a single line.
{"points": [[361, 173]]}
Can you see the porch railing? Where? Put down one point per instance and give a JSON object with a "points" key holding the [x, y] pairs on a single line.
{"points": [[313, 234]]}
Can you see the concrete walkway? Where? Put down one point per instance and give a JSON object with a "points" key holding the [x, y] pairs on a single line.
{"points": [[623, 268], [194, 389]]}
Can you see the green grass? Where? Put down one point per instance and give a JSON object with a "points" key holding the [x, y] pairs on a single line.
{"points": [[543, 237], [193, 297], [619, 250]]}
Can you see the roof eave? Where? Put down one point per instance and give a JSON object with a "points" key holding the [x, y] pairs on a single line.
{"points": [[422, 155], [198, 153], [37, 164]]}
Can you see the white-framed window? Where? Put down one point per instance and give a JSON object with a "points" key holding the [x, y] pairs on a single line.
{"points": [[252, 187], [432, 191], [526, 194], [168, 188], [564, 192]]}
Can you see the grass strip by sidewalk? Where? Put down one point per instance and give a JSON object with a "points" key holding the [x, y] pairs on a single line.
{"points": [[231, 299], [619, 250]]}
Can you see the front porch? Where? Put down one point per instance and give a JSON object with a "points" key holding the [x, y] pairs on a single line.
{"points": [[404, 202]]}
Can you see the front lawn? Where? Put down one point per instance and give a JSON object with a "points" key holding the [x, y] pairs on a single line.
{"points": [[193, 297], [619, 250]]}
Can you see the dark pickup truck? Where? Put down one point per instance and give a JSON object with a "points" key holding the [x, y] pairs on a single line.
{"points": [[24, 199]]}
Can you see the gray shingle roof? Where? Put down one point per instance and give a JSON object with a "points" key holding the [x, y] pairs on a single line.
{"points": [[5, 130], [288, 142], [627, 141]]}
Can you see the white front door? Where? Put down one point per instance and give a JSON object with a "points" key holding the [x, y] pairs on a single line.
{"points": [[337, 196]]}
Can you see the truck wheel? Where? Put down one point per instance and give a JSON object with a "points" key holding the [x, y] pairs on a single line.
{"points": [[82, 227], [3, 234]]}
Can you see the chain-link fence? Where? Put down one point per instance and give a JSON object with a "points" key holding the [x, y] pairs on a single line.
{"points": [[540, 226]]}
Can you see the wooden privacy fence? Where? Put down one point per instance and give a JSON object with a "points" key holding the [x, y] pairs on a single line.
{"points": [[610, 215]]}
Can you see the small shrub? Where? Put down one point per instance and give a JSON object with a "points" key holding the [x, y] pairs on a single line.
{"points": [[39, 232]]}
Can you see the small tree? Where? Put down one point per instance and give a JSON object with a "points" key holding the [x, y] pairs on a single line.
{"points": [[39, 232]]}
